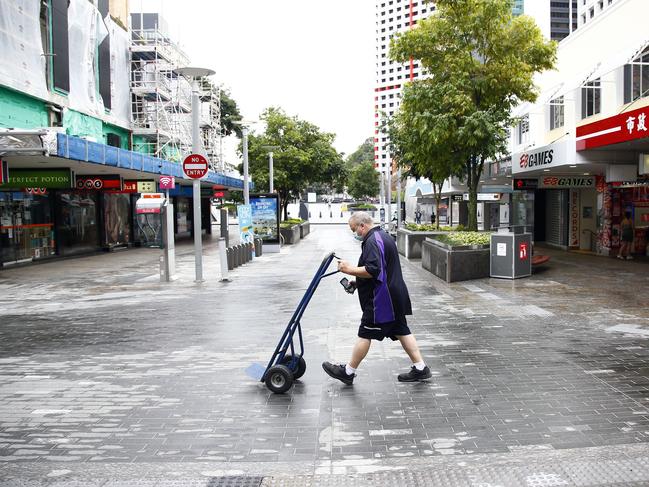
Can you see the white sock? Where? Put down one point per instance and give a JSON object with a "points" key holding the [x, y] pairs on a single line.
{"points": [[349, 370], [419, 365]]}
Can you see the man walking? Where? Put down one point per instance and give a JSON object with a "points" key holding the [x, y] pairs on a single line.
{"points": [[384, 301]]}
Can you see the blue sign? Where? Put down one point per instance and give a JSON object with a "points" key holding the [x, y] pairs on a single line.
{"points": [[246, 232], [265, 216]]}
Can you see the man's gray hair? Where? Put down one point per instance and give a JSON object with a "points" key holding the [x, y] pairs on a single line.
{"points": [[363, 217]]}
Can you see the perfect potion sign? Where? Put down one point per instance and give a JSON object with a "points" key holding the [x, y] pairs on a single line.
{"points": [[38, 178]]}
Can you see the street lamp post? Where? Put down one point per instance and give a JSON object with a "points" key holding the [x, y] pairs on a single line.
{"points": [[244, 143], [193, 74], [270, 149]]}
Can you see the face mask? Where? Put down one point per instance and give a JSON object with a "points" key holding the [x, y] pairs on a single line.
{"points": [[358, 237]]}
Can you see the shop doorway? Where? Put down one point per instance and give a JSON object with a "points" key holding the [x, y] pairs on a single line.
{"points": [[77, 215]]}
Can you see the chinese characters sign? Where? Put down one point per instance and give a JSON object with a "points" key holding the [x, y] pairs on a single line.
{"points": [[614, 130]]}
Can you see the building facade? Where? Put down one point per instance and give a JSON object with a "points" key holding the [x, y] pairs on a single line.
{"points": [[578, 153], [73, 161]]}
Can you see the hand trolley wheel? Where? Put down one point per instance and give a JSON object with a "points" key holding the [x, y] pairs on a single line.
{"points": [[301, 366], [279, 379]]}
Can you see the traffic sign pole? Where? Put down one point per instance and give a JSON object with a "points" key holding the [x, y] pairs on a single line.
{"points": [[198, 227]]}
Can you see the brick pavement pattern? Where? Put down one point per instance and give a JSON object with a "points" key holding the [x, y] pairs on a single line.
{"points": [[107, 376]]}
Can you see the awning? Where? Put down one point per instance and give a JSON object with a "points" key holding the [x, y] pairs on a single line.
{"points": [[27, 142]]}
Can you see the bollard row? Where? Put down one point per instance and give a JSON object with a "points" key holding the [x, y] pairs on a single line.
{"points": [[243, 253]]}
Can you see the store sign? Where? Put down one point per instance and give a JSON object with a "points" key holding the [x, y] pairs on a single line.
{"points": [[146, 186], [36, 191], [558, 154], [573, 223], [38, 178], [484, 196], [458, 197], [129, 186], [110, 183], [620, 128], [563, 182], [525, 184]]}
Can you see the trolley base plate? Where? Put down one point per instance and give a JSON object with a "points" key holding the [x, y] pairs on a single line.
{"points": [[256, 371]]}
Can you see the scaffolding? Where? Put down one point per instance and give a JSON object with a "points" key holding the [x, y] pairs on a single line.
{"points": [[162, 101]]}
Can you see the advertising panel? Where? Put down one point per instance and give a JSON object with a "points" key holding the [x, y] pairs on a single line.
{"points": [[265, 216], [244, 215], [549, 156]]}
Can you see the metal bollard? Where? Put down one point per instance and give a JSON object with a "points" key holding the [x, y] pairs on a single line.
{"points": [[239, 257], [223, 255], [250, 248], [258, 247], [230, 258]]}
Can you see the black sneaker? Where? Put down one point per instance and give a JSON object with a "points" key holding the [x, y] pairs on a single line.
{"points": [[338, 372], [415, 375]]}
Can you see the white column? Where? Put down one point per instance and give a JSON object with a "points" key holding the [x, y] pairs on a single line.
{"points": [[196, 149]]}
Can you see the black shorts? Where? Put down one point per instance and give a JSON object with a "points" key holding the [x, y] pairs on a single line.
{"points": [[392, 330]]}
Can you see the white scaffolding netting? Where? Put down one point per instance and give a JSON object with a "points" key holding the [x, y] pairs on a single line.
{"points": [[22, 63], [84, 30], [120, 65]]}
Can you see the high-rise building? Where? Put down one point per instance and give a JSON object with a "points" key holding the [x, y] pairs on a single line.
{"points": [[589, 9], [392, 16]]}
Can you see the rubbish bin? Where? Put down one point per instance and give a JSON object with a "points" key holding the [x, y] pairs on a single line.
{"points": [[511, 253]]}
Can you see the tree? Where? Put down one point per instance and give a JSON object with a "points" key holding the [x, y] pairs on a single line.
{"points": [[364, 153], [305, 156], [229, 114], [482, 61], [363, 181], [415, 143]]}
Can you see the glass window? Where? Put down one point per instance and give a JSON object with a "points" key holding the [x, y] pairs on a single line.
{"points": [[636, 77], [556, 113], [591, 98], [524, 129], [77, 221]]}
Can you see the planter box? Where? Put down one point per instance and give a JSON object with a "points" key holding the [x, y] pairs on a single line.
{"points": [[305, 229], [291, 235], [453, 264], [409, 242]]}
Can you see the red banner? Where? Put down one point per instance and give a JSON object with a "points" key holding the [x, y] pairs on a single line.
{"points": [[620, 128]]}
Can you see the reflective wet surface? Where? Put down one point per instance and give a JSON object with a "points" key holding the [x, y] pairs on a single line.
{"points": [[100, 362]]}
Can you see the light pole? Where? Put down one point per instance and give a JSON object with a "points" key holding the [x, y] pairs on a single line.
{"points": [[244, 143], [193, 74], [270, 149]]}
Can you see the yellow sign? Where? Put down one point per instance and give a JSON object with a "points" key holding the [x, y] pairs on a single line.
{"points": [[146, 187]]}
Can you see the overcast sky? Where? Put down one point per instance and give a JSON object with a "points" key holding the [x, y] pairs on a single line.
{"points": [[313, 58]]}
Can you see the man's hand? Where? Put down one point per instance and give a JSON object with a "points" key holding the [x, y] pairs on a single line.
{"points": [[344, 267]]}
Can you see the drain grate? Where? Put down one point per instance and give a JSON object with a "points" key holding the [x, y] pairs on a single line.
{"points": [[235, 481]]}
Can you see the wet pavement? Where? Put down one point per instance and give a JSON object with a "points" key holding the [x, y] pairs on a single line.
{"points": [[108, 377]]}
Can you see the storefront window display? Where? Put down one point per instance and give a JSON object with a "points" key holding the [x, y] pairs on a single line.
{"points": [[117, 211], [77, 215], [26, 227]]}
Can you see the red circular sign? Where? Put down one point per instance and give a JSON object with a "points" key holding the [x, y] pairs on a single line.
{"points": [[195, 166]]}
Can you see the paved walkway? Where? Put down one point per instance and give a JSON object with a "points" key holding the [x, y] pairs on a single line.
{"points": [[108, 377]]}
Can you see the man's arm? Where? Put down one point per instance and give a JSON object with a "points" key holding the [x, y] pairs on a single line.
{"points": [[347, 268]]}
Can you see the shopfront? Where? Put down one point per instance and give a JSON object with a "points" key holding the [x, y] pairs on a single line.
{"points": [[27, 217]]}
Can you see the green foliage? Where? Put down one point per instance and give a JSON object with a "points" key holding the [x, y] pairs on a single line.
{"points": [[229, 114], [363, 181], [482, 61], [362, 207], [305, 156], [460, 239], [293, 221], [427, 227], [364, 153]]}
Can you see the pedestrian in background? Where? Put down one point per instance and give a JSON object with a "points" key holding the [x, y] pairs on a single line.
{"points": [[384, 301], [627, 230]]}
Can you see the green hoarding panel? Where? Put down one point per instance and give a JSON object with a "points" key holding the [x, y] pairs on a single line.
{"points": [[38, 178]]}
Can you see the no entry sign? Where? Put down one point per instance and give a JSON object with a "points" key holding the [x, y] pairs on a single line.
{"points": [[195, 166]]}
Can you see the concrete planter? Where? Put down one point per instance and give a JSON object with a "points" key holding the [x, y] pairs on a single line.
{"points": [[453, 264], [410, 242], [291, 234], [305, 229]]}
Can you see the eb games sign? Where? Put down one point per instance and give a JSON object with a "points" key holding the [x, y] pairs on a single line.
{"points": [[536, 159]]}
